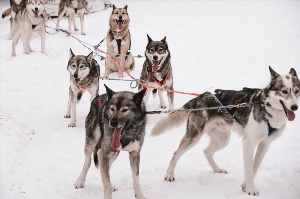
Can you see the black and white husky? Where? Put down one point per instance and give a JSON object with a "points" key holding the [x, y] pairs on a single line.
{"points": [[157, 71], [260, 120], [26, 22], [116, 121], [84, 76]]}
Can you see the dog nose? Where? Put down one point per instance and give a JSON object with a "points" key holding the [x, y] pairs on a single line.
{"points": [[75, 75], [155, 57], [120, 17], [114, 123], [294, 107], [36, 9]]}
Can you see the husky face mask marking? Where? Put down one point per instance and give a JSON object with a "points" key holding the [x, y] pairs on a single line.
{"points": [[284, 92], [156, 52], [120, 17], [79, 66], [35, 7]]}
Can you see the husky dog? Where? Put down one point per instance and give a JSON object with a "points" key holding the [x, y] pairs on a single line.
{"points": [[32, 19], [157, 70], [118, 41], [116, 121], [84, 75], [72, 7], [15, 8], [262, 120]]}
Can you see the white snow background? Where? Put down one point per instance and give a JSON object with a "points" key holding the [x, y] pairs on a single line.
{"points": [[214, 44]]}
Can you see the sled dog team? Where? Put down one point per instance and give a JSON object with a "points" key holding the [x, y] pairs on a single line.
{"points": [[117, 120]]}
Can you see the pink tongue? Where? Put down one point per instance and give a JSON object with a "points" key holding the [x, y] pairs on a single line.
{"points": [[120, 25], [115, 144], [290, 115], [155, 66], [36, 14]]}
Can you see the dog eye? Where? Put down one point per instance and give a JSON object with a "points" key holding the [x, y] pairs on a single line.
{"points": [[161, 50], [285, 92], [112, 109], [125, 110], [73, 66], [81, 66], [151, 50]]}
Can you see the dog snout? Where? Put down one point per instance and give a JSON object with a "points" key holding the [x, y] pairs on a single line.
{"points": [[294, 107], [75, 75], [114, 123], [155, 57], [120, 18]]}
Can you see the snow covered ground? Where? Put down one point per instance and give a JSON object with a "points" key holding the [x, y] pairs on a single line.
{"points": [[214, 44]]}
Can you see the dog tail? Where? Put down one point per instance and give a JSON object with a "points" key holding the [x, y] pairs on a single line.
{"points": [[79, 95], [154, 92], [172, 120], [97, 147], [6, 13]]}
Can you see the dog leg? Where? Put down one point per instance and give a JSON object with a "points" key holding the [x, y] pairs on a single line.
{"points": [[61, 12], [219, 139], [15, 40], [161, 99], [71, 19], [146, 97], [171, 99], [43, 38], [134, 158], [248, 148], [261, 151], [68, 112], [73, 110], [106, 160], [81, 16], [88, 150], [190, 139]]}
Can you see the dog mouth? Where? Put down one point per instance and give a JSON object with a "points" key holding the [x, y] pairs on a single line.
{"points": [[116, 143], [289, 114], [76, 80], [36, 13], [120, 24], [155, 65]]}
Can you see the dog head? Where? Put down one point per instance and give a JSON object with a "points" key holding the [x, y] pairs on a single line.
{"points": [[124, 110], [119, 18], [157, 53], [79, 66], [35, 7], [284, 92]]}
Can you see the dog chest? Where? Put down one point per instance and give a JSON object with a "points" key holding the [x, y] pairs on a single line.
{"points": [[132, 146]]}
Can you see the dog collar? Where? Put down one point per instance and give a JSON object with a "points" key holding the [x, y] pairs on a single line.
{"points": [[271, 130]]}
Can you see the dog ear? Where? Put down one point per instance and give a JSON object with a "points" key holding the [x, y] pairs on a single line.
{"points": [[71, 53], [149, 39], [164, 39], [90, 57], [109, 92], [274, 75], [293, 72], [114, 7], [125, 7], [138, 97]]}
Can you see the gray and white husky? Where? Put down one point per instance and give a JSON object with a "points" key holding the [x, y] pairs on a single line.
{"points": [[72, 7], [118, 42], [84, 76], [116, 121], [157, 71], [261, 120], [30, 20]]}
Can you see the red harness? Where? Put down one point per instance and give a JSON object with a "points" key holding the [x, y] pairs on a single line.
{"points": [[163, 81]]}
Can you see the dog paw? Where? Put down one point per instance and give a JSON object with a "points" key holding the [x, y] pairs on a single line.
{"points": [[120, 75], [221, 171], [72, 124], [251, 191], [78, 185], [163, 106], [67, 116], [169, 178], [104, 78], [114, 188], [82, 33]]}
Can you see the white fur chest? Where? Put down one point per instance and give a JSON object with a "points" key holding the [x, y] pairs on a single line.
{"points": [[132, 146]]}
